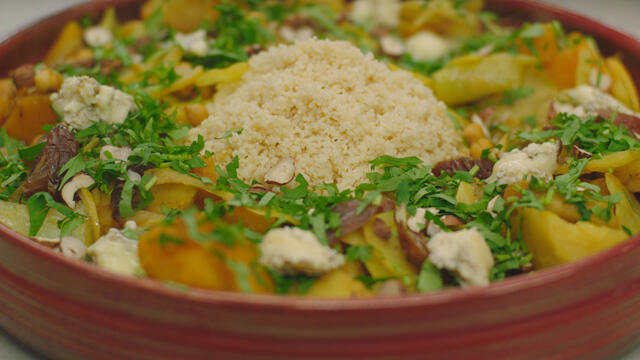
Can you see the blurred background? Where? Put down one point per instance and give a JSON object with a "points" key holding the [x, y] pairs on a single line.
{"points": [[14, 14]]}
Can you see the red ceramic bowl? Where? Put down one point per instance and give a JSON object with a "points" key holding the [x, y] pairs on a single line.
{"points": [[66, 309]]}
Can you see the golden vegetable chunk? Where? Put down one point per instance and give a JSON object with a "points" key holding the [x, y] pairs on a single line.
{"points": [[69, 40], [173, 196], [554, 241], [471, 78], [184, 15], [339, 284], [170, 254], [28, 116]]}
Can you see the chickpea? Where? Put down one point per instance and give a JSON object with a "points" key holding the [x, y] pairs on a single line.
{"points": [[472, 133], [47, 79], [478, 146], [196, 113]]}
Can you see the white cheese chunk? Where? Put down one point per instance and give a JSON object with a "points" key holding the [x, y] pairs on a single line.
{"points": [[426, 45], [417, 222], [587, 99], [296, 251], [115, 252], [465, 253], [97, 36], [292, 35], [539, 160], [82, 100], [374, 13], [194, 43]]}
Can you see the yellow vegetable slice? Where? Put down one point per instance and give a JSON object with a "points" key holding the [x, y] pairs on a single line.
{"points": [[629, 175], [472, 77], [375, 267], [467, 193], [188, 76], [16, 216], [612, 161], [93, 221], [69, 40], [109, 20], [219, 76], [623, 87], [389, 252], [554, 241], [627, 211]]}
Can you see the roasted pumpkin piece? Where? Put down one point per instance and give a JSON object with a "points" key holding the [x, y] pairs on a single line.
{"points": [[545, 45], [172, 196], [554, 241], [170, 253], [28, 116]]}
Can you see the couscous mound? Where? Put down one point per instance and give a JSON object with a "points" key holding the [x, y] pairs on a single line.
{"points": [[329, 107]]}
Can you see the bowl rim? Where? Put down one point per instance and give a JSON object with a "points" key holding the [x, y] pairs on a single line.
{"points": [[299, 303]]}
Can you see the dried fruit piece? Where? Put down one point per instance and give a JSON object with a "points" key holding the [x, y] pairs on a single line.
{"points": [[61, 146], [485, 166], [413, 244]]}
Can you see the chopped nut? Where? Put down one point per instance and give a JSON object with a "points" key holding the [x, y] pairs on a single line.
{"points": [[491, 205], [282, 173], [72, 247], [117, 153], [24, 76], [79, 181], [259, 188], [49, 242], [451, 221], [580, 153]]}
